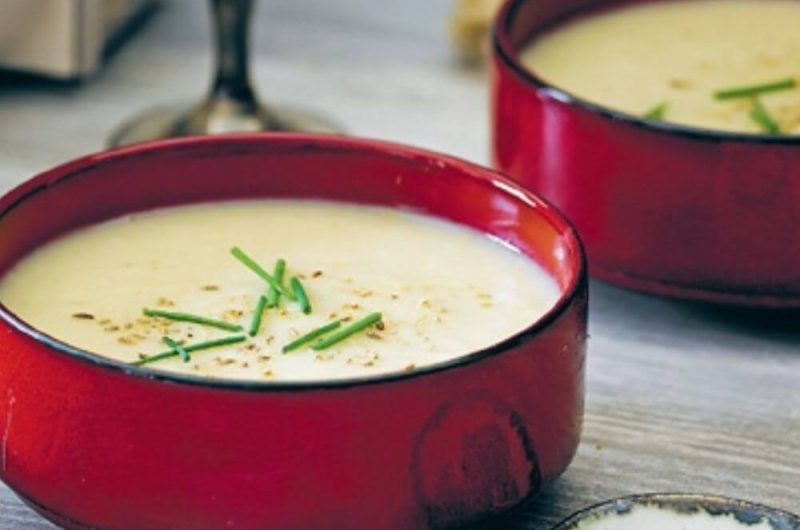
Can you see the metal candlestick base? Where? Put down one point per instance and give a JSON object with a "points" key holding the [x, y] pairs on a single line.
{"points": [[232, 104]]}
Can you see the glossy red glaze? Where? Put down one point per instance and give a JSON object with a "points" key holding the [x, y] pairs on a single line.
{"points": [[94, 443], [662, 208]]}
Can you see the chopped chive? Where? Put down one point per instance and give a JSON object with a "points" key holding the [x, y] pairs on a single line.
{"points": [[177, 347], [255, 324], [657, 113], [195, 319], [755, 90], [300, 293], [308, 337], [342, 334], [761, 116], [273, 295], [191, 348], [248, 262]]}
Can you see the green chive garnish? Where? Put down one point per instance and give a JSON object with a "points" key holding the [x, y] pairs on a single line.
{"points": [[177, 347], [656, 113], [760, 115], [255, 324], [755, 90], [248, 262], [191, 348], [342, 334], [195, 319], [308, 337], [300, 293], [273, 295]]}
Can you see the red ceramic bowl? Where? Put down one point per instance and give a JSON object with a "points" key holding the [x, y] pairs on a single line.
{"points": [[93, 443], [662, 208]]}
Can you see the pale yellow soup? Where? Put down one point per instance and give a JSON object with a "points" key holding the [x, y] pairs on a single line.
{"points": [[679, 53], [444, 290]]}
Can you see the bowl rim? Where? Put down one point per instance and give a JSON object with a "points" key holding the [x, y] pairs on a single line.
{"points": [[50, 178], [504, 50], [672, 499]]}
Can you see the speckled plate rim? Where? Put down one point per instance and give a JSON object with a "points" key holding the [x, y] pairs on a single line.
{"points": [[746, 512]]}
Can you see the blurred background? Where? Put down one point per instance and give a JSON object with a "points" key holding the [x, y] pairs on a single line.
{"points": [[74, 70]]}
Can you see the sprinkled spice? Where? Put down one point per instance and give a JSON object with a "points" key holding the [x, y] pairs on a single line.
{"points": [[178, 348], [232, 314], [83, 316], [165, 302], [372, 360], [192, 348], [311, 335], [680, 84], [344, 333], [325, 336], [224, 362], [194, 319]]}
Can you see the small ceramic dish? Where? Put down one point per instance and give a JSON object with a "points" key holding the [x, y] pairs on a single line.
{"points": [[95, 443], [662, 208], [679, 511]]}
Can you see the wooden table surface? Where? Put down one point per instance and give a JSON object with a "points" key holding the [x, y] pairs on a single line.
{"points": [[681, 397]]}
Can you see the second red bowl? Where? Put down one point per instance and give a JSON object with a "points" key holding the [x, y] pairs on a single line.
{"points": [[662, 208]]}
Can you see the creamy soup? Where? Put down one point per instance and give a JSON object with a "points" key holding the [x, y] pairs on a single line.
{"points": [[676, 60], [419, 290]]}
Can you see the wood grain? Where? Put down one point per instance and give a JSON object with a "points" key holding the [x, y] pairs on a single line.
{"points": [[681, 397]]}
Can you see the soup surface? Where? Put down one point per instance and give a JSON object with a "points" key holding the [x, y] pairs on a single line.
{"points": [[668, 59], [443, 290]]}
